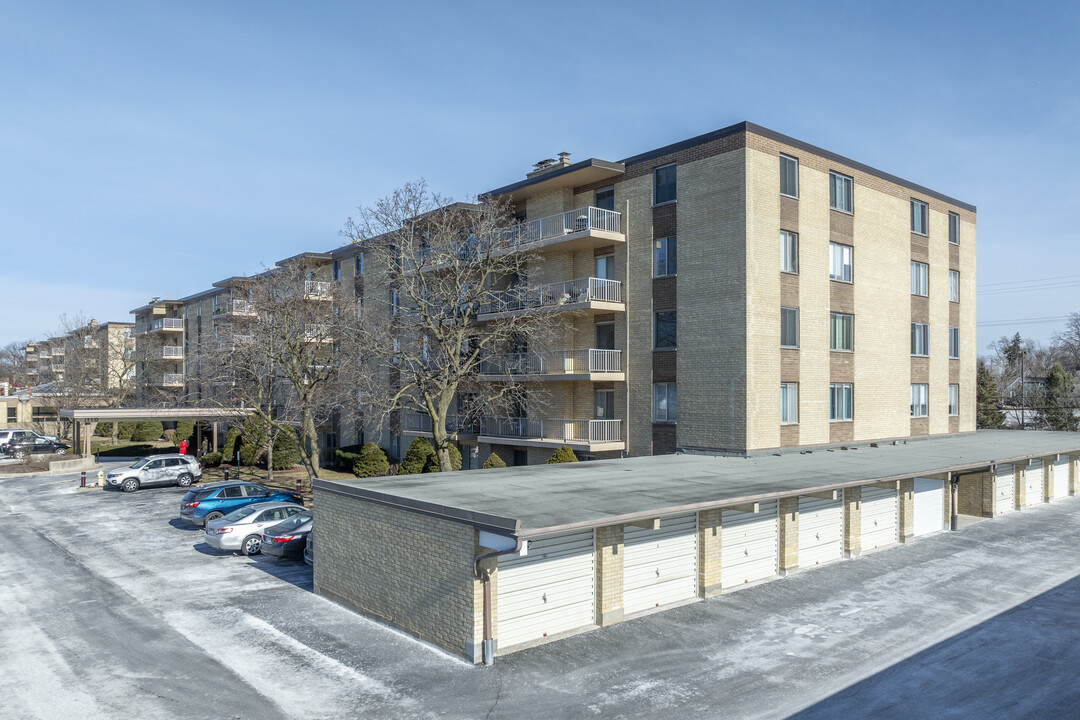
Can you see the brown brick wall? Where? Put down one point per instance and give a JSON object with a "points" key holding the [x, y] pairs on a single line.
{"points": [[789, 214], [665, 293], [664, 366], [664, 438]]}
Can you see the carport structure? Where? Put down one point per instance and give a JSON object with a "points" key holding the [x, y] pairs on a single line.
{"points": [[489, 561], [84, 420]]}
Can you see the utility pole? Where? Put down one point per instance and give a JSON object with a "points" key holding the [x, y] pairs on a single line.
{"points": [[1023, 391]]}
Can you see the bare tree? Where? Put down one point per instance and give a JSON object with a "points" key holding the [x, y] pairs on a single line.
{"points": [[454, 307], [13, 364], [285, 356]]}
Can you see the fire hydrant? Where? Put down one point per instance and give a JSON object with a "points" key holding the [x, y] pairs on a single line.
{"points": [[101, 478]]}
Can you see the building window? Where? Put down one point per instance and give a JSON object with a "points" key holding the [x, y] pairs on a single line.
{"points": [[605, 405], [12, 415], [337, 271], [840, 262], [605, 198], [920, 278], [664, 330], [920, 400], [359, 260], [665, 403], [789, 176], [840, 192], [664, 257], [664, 184], [954, 286], [395, 308], [954, 343], [954, 228], [789, 327], [841, 401], [954, 400], [920, 217], [920, 339], [789, 252], [841, 331], [789, 403]]}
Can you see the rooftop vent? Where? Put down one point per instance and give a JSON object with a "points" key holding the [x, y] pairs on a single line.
{"points": [[548, 164]]}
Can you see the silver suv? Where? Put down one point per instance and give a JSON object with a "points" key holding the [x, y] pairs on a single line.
{"points": [[171, 469]]}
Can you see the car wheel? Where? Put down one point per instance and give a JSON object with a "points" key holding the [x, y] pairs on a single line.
{"points": [[184, 480], [252, 545], [130, 485], [19, 454], [210, 517], [60, 451]]}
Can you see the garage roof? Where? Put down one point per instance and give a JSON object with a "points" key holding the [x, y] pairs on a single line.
{"points": [[542, 499]]}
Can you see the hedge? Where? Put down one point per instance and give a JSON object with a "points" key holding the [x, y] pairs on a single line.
{"points": [[103, 429], [493, 461], [210, 460], [228, 450], [432, 463], [416, 457], [184, 430], [365, 461], [125, 429], [286, 450], [147, 431], [563, 455]]}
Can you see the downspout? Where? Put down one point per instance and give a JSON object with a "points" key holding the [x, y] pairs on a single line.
{"points": [[626, 329], [488, 647]]}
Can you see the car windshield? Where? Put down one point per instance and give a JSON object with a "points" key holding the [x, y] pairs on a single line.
{"points": [[241, 513], [292, 523], [140, 463]]}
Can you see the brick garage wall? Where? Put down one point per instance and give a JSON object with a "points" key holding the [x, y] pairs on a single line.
{"points": [[405, 569], [976, 495]]}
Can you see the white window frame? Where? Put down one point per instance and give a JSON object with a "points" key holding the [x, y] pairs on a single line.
{"points": [[920, 279], [841, 258], [920, 217], [849, 335], [657, 169], [789, 252], [841, 402], [784, 157], [920, 400], [954, 400], [920, 339], [954, 343], [670, 401], [789, 403], [783, 310], [954, 286], [666, 246], [954, 228], [846, 185]]}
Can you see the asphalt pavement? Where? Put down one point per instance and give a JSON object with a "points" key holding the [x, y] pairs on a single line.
{"points": [[114, 608]]}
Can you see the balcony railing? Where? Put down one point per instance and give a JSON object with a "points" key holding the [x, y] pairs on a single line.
{"points": [[162, 324], [90, 343], [420, 423], [554, 429], [553, 295], [58, 352], [237, 307], [31, 371], [557, 362], [170, 351], [535, 231], [169, 380], [317, 289]]}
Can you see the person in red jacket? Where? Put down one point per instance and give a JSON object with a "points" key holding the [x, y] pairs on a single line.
{"points": [[183, 447]]}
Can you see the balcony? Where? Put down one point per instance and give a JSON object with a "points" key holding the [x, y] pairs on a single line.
{"points": [[589, 294], [587, 435], [414, 423], [90, 343], [168, 380], [585, 364], [317, 290], [316, 333], [167, 325], [58, 352], [31, 371], [584, 228], [235, 308], [170, 352]]}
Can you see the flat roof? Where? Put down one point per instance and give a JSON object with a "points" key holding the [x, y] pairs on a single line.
{"points": [[128, 414], [536, 500]]}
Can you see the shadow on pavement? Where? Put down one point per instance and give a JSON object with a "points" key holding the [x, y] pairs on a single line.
{"points": [[295, 572], [184, 525], [1008, 666]]}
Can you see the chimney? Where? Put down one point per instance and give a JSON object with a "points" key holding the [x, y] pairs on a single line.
{"points": [[548, 164]]}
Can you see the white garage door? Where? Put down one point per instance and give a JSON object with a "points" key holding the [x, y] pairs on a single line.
{"points": [[929, 505], [1034, 484], [879, 517], [550, 590], [1004, 489], [1061, 478], [748, 545], [660, 566], [821, 530]]}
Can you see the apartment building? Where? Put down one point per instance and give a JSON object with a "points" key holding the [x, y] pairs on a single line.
{"points": [[99, 354], [159, 333], [740, 292]]}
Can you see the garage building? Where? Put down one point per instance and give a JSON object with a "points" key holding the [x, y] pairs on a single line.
{"points": [[486, 562]]}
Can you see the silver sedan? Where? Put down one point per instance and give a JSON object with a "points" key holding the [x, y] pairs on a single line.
{"points": [[241, 530]]}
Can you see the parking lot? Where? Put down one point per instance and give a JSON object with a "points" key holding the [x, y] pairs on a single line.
{"points": [[115, 608]]}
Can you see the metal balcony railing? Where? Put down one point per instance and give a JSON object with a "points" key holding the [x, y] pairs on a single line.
{"points": [[419, 422], [58, 352], [170, 380], [240, 307], [554, 429], [554, 295], [167, 324], [170, 351], [534, 231], [556, 362], [317, 288]]}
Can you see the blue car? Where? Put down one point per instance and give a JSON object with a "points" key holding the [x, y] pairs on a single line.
{"points": [[204, 503]]}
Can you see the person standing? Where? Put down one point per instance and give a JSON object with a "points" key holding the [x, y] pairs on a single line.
{"points": [[183, 447]]}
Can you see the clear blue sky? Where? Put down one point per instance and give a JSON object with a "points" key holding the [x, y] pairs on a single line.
{"points": [[154, 148]]}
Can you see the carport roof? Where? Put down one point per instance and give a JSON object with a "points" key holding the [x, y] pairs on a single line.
{"points": [[543, 499]]}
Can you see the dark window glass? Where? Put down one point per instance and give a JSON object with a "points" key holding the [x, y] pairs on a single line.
{"points": [[665, 330], [663, 184], [605, 199], [232, 492], [789, 176]]}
